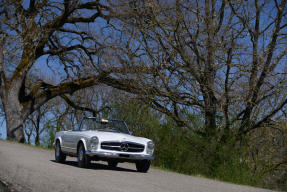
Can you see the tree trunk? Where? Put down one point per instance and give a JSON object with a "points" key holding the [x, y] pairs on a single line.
{"points": [[29, 139], [13, 113], [37, 139], [210, 116], [14, 122], [37, 127], [210, 107]]}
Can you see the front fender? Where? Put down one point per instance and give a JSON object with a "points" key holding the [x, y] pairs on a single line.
{"points": [[84, 143], [60, 140], [58, 136]]}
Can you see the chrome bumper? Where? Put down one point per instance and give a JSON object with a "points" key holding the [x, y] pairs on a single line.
{"points": [[119, 155]]}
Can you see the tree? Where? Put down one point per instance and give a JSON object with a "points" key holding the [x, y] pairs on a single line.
{"points": [[267, 154], [60, 31], [37, 125], [219, 58], [214, 57]]}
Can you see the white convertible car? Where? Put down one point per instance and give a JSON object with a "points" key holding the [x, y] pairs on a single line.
{"points": [[105, 140]]}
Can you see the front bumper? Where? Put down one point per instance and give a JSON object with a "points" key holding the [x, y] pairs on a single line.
{"points": [[119, 155]]}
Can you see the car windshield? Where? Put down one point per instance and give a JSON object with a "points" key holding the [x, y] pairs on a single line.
{"points": [[118, 126]]}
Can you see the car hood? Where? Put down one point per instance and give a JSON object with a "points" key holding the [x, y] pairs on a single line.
{"points": [[111, 136]]}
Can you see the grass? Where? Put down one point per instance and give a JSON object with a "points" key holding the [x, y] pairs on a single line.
{"points": [[29, 145], [38, 146], [174, 171], [205, 177]]}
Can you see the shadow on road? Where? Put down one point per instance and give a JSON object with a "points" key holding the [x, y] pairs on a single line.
{"points": [[97, 166]]}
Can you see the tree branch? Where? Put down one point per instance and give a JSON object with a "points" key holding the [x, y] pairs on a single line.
{"points": [[267, 117], [77, 107]]}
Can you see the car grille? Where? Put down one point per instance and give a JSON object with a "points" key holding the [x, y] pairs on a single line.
{"points": [[122, 146]]}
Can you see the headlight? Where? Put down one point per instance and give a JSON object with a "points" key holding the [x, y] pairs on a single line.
{"points": [[94, 142], [150, 147]]}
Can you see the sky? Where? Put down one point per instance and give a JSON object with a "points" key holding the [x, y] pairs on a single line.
{"points": [[3, 129]]}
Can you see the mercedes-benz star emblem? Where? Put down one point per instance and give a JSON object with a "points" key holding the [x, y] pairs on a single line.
{"points": [[124, 146]]}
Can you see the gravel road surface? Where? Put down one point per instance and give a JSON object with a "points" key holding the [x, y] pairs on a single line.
{"points": [[33, 169]]}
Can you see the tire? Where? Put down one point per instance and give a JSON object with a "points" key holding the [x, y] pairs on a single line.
{"points": [[143, 166], [60, 157], [84, 160], [112, 163]]}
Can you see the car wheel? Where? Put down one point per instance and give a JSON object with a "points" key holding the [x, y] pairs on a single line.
{"points": [[84, 160], [60, 157], [112, 163], [143, 166]]}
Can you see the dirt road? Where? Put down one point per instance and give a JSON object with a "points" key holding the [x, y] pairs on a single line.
{"points": [[33, 169]]}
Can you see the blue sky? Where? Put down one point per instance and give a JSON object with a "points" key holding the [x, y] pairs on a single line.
{"points": [[2, 128]]}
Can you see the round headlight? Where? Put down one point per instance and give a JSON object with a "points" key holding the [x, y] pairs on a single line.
{"points": [[94, 143], [150, 145], [94, 140]]}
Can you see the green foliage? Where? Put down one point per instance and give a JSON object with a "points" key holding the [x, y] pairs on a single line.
{"points": [[229, 164], [141, 120], [189, 151], [49, 137], [268, 154]]}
